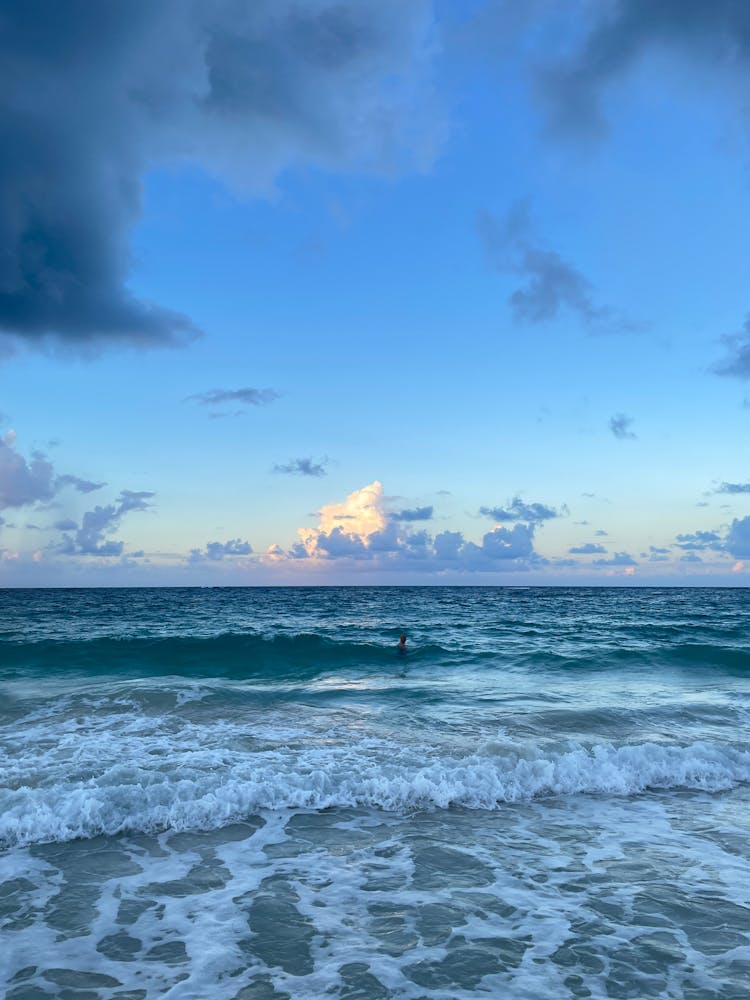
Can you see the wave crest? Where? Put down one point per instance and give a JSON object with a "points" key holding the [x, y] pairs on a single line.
{"points": [[196, 794]]}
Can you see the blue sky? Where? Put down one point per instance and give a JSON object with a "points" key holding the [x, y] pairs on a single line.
{"points": [[303, 292]]}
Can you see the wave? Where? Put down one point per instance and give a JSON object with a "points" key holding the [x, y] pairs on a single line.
{"points": [[305, 655], [198, 793], [230, 654], [661, 656]]}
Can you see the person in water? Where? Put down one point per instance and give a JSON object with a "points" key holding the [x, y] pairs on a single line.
{"points": [[402, 643]]}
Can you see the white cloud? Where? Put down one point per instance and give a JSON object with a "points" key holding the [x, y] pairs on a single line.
{"points": [[362, 529]]}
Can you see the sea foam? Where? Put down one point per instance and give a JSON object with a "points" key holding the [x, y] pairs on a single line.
{"points": [[208, 790]]}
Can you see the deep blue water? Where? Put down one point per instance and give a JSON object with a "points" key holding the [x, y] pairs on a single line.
{"points": [[250, 793]]}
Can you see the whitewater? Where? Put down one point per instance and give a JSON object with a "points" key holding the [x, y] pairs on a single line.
{"points": [[248, 793]]}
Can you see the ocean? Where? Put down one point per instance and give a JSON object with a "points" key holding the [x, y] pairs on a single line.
{"points": [[249, 793]]}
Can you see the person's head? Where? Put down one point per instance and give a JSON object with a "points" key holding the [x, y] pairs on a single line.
{"points": [[402, 640]]}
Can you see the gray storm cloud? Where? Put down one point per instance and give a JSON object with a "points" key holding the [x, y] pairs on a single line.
{"points": [[93, 95]]}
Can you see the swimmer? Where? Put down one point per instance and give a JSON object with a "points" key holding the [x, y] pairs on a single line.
{"points": [[402, 644]]}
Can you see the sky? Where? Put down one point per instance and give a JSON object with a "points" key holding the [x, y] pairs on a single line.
{"points": [[374, 292]]}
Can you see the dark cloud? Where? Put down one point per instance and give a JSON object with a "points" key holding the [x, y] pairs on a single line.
{"points": [[517, 510], [216, 551], [337, 543], [621, 34], [738, 538], [620, 424], [303, 467], [734, 488], [413, 514], [91, 538], [589, 549], [691, 557], [700, 540], [94, 94], [618, 559], [552, 284], [81, 485], [448, 545], [246, 396], [656, 550], [66, 524], [737, 362], [134, 500], [23, 482], [600, 533]]}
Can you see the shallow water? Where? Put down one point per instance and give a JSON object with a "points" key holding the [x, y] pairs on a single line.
{"points": [[248, 793]]}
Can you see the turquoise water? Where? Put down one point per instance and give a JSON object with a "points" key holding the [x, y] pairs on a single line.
{"points": [[249, 793]]}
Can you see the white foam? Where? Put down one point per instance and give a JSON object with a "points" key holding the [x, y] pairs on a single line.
{"points": [[171, 786]]}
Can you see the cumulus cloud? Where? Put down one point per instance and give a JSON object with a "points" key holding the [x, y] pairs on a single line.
{"points": [[94, 94], [90, 539], [216, 551], [700, 540], [361, 529], [656, 554], [589, 549], [412, 514], [618, 559], [247, 396], [551, 283], [620, 425], [738, 538], [517, 510], [303, 467]]}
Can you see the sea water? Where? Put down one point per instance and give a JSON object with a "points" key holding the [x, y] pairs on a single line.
{"points": [[249, 793]]}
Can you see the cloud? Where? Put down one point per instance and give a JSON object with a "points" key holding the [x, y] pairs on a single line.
{"points": [[23, 482], [81, 485], [95, 94], [589, 549], [90, 539], [600, 533], [65, 524], [134, 500], [734, 488], [737, 362], [246, 396], [303, 467], [619, 424], [691, 557], [216, 551], [618, 559], [517, 510], [552, 284], [738, 538], [700, 540], [621, 34], [413, 514], [361, 530]]}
